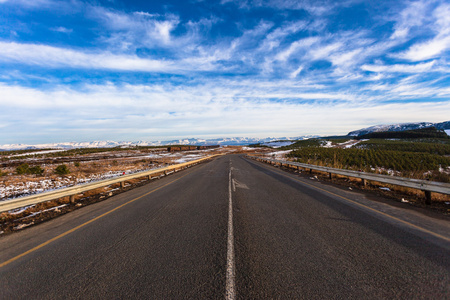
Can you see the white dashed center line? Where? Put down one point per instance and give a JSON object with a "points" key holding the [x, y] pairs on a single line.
{"points": [[230, 278]]}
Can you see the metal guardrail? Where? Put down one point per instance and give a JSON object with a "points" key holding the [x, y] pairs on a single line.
{"points": [[423, 185], [7, 205]]}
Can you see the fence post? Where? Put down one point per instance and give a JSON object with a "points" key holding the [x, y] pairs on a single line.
{"points": [[427, 197]]}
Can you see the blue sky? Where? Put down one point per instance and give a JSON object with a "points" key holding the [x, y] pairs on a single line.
{"points": [[157, 70]]}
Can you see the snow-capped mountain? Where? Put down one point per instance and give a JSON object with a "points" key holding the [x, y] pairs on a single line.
{"points": [[234, 141], [400, 127]]}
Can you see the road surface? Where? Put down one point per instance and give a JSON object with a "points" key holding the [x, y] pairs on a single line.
{"points": [[231, 228]]}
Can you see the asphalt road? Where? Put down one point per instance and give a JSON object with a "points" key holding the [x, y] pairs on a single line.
{"points": [[285, 237]]}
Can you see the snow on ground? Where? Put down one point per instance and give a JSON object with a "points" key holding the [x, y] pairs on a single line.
{"points": [[349, 144], [329, 144], [447, 131], [187, 158], [278, 154], [37, 153], [42, 211], [278, 144], [46, 185]]}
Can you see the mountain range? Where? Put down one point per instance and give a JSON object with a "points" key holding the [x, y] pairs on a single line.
{"points": [[401, 127], [234, 141]]}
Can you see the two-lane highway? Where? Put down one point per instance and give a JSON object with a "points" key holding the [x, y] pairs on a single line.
{"points": [[231, 228]]}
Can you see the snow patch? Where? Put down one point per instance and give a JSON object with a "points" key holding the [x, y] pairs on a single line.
{"points": [[37, 153], [278, 144]]}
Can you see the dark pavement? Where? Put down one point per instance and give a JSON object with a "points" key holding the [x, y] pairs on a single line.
{"points": [[293, 239]]}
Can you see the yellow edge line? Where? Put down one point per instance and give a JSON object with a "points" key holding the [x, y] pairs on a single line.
{"points": [[370, 208], [82, 225]]}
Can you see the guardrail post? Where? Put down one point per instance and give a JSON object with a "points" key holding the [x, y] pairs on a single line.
{"points": [[72, 199], [364, 182], [165, 173], [427, 197], [331, 175], [122, 184], [310, 171], [149, 177]]}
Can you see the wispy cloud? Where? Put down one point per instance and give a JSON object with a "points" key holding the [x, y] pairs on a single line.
{"points": [[29, 3], [438, 23], [412, 16], [427, 50], [54, 57], [53, 5], [403, 68], [129, 31], [298, 46], [62, 29], [274, 38], [312, 7]]}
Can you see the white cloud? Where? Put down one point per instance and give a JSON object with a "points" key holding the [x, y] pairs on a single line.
{"points": [[53, 5], [302, 44], [296, 72], [314, 7], [324, 51], [346, 58], [54, 57], [427, 50], [400, 68], [163, 111], [439, 44], [275, 37], [413, 15], [48, 56], [135, 29], [62, 29], [30, 3]]}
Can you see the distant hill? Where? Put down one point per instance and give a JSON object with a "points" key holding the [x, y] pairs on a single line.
{"points": [[400, 127], [429, 132]]}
